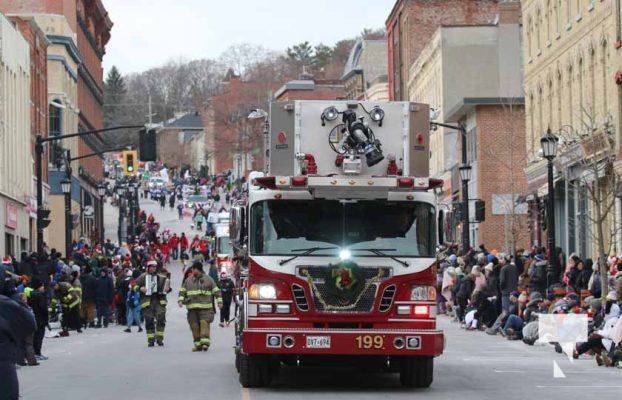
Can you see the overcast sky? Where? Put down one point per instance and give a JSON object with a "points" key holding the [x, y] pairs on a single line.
{"points": [[148, 33]]}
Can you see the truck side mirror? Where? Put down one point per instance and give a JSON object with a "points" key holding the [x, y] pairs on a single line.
{"points": [[441, 227]]}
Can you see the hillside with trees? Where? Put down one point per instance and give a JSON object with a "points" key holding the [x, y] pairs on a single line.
{"points": [[188, 85]]}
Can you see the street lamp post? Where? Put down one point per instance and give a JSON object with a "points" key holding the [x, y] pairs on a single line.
{"points": [[101, 190], [121, 195], [136, 207], [65, 186], [465, 176], [549, 151], [130, 208]]}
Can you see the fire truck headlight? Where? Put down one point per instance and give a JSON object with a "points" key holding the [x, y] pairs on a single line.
{"points": [[423, 293], [262, 291], [419, 293]]}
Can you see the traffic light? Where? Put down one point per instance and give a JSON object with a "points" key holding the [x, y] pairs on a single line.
{"points": [[43, 216], [480, 210], [130, 161], [147, 145]]}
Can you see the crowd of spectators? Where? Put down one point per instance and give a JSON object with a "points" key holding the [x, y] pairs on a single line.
{"points": [[507, 295]]}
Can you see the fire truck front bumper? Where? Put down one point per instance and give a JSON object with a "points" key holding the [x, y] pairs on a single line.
{"points": [[346, 342]]}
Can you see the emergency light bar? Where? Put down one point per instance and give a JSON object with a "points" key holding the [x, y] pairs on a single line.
{"points": [[380, 182]]}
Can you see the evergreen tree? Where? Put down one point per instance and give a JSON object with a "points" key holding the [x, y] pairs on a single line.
{"points": [[114, 95]]}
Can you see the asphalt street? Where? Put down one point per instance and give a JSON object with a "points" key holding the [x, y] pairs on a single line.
{"points": [[110, 364]]}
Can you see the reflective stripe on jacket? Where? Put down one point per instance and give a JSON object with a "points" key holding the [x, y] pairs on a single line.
{"points": [[66, 295], [199, 292]]}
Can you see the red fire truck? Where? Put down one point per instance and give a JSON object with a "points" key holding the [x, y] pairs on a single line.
{"points": [[339, 239]]}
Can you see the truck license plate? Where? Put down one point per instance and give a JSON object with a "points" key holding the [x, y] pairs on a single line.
{"points": [[318, 342]]}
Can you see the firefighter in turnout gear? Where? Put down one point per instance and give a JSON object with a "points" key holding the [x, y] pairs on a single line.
{"points": [[199, 293], [65, 294], [154, 288]]}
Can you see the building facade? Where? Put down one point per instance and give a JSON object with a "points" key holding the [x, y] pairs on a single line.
{"points": [[38, 45], [571, 55], [16, 170], [411, 24], [472, 76], [177, 142], [365, 73]]}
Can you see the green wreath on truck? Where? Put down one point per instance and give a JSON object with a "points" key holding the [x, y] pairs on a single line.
{"points": [[345, 282]]}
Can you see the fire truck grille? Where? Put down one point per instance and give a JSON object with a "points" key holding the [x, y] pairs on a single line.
{"points": [[328, 298], [300, 297], [387, 298]]}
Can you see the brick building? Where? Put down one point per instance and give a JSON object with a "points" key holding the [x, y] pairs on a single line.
{"points": [[411, 25], [77, 32]]}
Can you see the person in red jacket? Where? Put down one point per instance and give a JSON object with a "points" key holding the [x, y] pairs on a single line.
{"points": [[194, 246], [204, 248], [183, 242], [173, 242], [166, 252]]}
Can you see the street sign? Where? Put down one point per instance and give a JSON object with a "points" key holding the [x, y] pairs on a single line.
{"points": [[89, 211]]}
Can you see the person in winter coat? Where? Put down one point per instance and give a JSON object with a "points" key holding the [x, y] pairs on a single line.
{"points": [[26, 266], [585, 273], [465, 292], [537, 274], [194, 246], [594, 285], [227, 287], [171, 201], [16, 323], [122, 286], [88, 310], [578, 275], [173, 242], [104, 294], [618, 281], [183, 242], [39, 303], [133, 307], [508, 282]]}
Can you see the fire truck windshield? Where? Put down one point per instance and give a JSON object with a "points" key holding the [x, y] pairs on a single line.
{"points": [[278, 227]]}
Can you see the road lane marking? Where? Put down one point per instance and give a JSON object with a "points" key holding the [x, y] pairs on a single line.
{"points": [[578, 386], [509, 371]]}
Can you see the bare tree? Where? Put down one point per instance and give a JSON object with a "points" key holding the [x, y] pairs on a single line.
{"points": [[592, 150], [243, 56]]}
